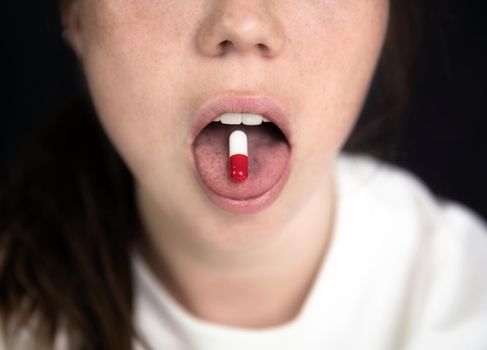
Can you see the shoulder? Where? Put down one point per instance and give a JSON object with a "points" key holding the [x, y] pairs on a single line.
{"points": [[446, 246], [399, 203]]}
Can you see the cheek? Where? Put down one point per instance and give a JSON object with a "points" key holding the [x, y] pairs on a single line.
{"points": [[339, 58], [129, 61]]}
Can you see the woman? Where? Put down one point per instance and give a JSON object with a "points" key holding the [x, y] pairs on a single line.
{"points": [[307, 249]]}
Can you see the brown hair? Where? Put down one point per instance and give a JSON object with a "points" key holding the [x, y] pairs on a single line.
{"points": [[68, 220], [67, 223]]}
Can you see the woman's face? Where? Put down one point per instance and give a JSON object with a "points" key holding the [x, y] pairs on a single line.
{"points": [[153, 65]]}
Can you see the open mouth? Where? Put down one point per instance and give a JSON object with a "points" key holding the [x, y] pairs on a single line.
{"points": [[269, 153]]}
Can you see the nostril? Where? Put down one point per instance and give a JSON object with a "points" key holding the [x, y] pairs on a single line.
{"points": [[263, 48], [226, 44]]}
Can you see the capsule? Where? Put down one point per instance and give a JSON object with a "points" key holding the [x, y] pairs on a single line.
{"points": [[238, 156]]}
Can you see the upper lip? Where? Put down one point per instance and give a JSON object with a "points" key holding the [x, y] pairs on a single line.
{"points": [[255, 104]]}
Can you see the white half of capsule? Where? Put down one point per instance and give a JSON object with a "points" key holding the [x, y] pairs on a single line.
{"points": [[241, 118], [238, 143]]}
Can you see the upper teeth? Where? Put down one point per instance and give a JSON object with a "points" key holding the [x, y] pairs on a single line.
{"points": [[241, 118]]}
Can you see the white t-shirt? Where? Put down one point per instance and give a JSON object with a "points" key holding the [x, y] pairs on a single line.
{"points": [[404, 271]]}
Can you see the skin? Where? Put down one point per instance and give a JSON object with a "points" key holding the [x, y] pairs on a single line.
{"points": [[150, 64]]}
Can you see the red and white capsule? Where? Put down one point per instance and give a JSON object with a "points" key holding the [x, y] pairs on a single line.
{"points": [[238, 156]]}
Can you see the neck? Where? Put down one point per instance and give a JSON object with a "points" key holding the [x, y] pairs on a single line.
{"points": [[252, 284]]}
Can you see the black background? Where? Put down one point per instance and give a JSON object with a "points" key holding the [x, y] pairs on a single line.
{"points": [[444, 139]]}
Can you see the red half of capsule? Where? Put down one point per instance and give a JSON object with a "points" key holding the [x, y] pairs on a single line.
{"points": [[239, 167]]}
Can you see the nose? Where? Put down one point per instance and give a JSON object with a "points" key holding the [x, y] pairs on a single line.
{"points": [[241, 26]]}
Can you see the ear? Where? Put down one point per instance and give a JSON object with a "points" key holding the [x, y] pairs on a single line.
{"points": [[71, 21]]}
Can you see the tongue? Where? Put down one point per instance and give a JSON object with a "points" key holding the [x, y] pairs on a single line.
{"points": [[268, 157]]}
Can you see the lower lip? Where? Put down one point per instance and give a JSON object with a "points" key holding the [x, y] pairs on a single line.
{"points": [[249, 205]]}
